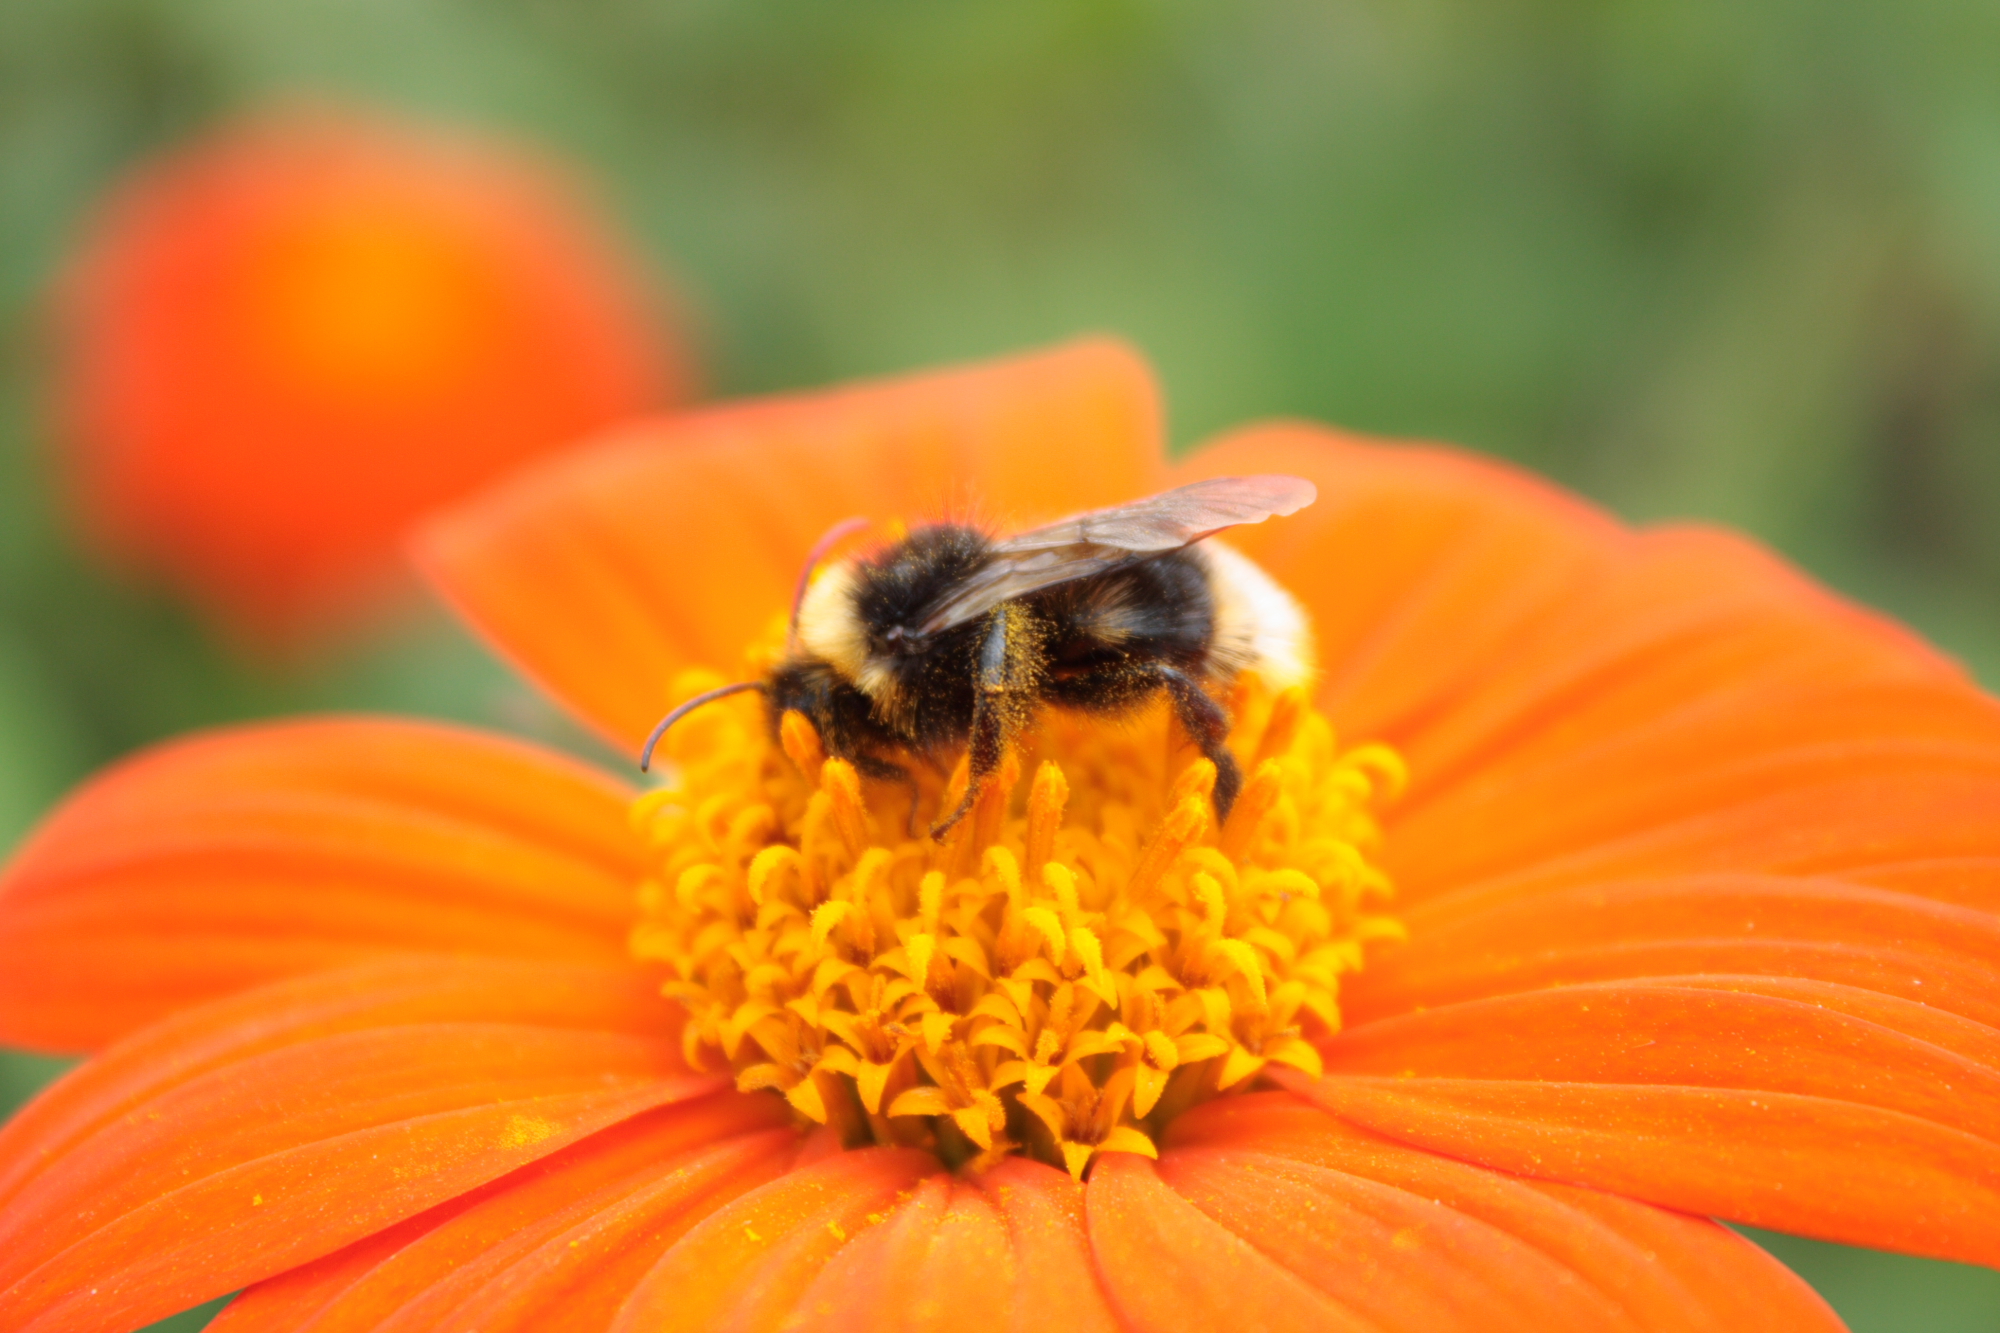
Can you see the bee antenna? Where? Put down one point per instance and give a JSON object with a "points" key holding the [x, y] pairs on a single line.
{"points": [[723, 692], [813, 557]]}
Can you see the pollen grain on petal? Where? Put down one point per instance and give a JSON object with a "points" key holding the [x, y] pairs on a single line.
{"points": [[1082, 960]]}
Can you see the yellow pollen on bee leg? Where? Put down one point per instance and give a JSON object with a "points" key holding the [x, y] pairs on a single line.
{"points": [[1079, 962]]}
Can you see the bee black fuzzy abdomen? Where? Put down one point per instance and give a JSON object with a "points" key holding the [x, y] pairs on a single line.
{"points": [[1098, 629]]}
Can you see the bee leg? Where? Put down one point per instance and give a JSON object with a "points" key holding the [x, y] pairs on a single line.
{"points": [[1002, 662], [1207, 726], [984, 751], [989, 744]]}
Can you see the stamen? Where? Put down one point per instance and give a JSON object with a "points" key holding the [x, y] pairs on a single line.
{"points": [[1046, 800], [1197, 780], [1254, 802], [1288, 709], [1184, 823], [1062, 977], [842, 788], [801, 744]]}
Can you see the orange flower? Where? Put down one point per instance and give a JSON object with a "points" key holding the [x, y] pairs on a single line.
{"points": [[1697, 866], [285, 342]]}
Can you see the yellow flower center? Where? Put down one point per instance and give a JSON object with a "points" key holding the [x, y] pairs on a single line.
{"points": [[1075, 965]]}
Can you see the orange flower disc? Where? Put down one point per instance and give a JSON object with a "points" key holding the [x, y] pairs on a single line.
{"points": [[285, 342]]}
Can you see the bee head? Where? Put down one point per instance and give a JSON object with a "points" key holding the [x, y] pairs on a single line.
{"points": [[864, 615]]}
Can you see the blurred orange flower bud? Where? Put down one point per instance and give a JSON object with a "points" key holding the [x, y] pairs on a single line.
{"points": [[284, 342]]}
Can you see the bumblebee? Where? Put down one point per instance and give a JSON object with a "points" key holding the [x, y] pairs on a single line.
{"points": [[951, 640]]}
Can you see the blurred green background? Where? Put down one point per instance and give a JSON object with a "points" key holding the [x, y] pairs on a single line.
{"points": [[1736, 259]]}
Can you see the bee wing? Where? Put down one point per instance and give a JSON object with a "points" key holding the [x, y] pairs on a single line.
{"points": [[1103, 539]]}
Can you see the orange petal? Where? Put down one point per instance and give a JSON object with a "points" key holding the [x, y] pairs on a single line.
{"points": [[909, 1271], [1412, 549], [1971, 881], [1414, 1241], [745, 1266], [1409, 549], [677, 542], [1814, 1165], [1802, 1037], [205, 1156], [1804, 780], [1012, 1240], [1579, 699], [1399, 1261], [211, 864], [1166, 1265], [552, 1248], [1499, 938], [215, 1036], [1669, 627], [1044, 1209], [1920, 807]]}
